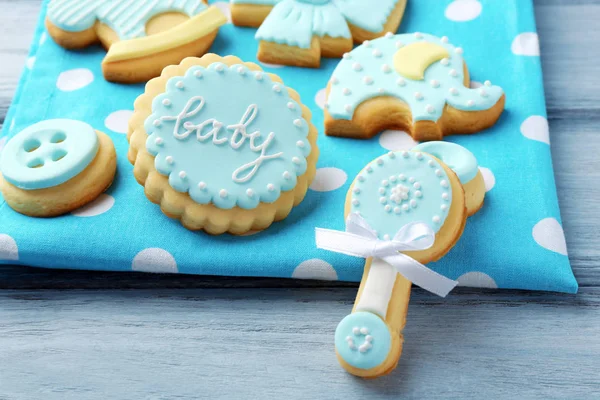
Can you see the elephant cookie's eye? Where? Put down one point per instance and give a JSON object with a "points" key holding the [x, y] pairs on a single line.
{"points": [[426, 90]]}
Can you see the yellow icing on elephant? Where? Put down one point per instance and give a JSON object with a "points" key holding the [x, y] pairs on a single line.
{"points": [[412, 60]]}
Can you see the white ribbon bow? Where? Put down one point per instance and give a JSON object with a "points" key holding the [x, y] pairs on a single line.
{"points": [[360, 240]]}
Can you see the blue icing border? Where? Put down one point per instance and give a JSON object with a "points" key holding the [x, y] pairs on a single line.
{"points": [[402, 187], [247, 110], [368, 71], [126, 17]]}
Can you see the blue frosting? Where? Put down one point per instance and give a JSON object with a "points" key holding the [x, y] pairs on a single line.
{"points": [[295, 22], [402, 187], [48, 153], [126, 17], [228, 135], [368, 71], [363, 340], [456, 157]]}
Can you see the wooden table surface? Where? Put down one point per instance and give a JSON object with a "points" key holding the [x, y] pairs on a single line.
{"points": [[79, 335]]}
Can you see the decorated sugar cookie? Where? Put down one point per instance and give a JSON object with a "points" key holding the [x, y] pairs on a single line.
{"points": [[464, 164], [142, 37], [415, 82], [300, 32], [222, 145], [404, 209], [56, 166]]}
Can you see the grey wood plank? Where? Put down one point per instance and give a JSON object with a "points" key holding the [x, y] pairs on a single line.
{"points": [[189, 344]]}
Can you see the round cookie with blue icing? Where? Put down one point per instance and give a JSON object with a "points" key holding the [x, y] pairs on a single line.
{"points": [[363, 341], [300, 32], [464, 164], [142, 37], [401, 187], [415, 82], [56, 166], [222, 145]]}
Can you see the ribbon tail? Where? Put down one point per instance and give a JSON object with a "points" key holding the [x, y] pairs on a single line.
{"points": [[420, 275]]}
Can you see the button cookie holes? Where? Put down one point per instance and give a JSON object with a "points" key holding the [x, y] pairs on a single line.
{"points": [[58, 137], [35, 163], [31, 145], [58, 154]]}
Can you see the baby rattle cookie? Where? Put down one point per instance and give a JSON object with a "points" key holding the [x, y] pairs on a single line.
{"points": [[222, 145], [414, 82], [142, 37], [464, 164], [404, 209], [300, 32], [56, 166]]}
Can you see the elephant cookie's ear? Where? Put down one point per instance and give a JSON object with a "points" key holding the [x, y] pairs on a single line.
{"points": [[415, 82], [141, 37]]}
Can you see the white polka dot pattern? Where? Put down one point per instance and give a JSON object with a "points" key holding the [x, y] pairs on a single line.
{"points": [[328, 179], [463, 10], [526, 44], [74, 79], [102, 204], [549, 234], [154, 260], [118, 121], [536, 128], [315, 269], [8, 248]]}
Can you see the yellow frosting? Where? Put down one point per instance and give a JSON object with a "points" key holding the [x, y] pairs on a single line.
{"points": [[412, 60], [193, 29]]}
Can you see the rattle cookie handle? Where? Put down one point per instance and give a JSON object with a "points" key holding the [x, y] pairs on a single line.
{"points": [[369, 341]]}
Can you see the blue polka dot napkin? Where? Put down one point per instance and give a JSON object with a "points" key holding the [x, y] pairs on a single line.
{"points": [[515, 241]]}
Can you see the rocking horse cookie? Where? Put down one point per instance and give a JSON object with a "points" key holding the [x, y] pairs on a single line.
{"points": [[417, 82], [300, 32], [142, 37], [404, 209], [221, 145]]}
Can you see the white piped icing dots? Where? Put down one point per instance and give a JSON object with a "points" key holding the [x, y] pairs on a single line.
{"points": [[229, 137], [422, 70], [402, 187]]}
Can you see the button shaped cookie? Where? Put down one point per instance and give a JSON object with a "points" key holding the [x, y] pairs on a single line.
{"points": [[56, 166]]}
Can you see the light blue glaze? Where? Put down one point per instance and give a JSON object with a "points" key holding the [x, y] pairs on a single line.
{"points": [[295, 22], [257, 2], [209, 168], [459, 159], [126, 17], [48, 153], [402, 187], [368, 71], [368, 15], [349, 338]]}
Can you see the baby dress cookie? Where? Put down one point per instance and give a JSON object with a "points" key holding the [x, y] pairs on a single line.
{"points": [[404, 209], [56, 166], [300, 32], [415, 82], [141, 36], [222, 145]]}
